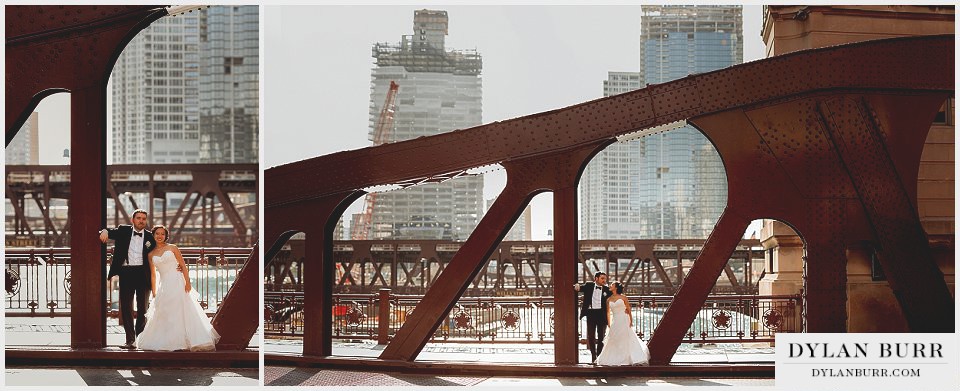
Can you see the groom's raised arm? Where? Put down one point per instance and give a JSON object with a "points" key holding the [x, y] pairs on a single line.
{"points": [[108, 233]]}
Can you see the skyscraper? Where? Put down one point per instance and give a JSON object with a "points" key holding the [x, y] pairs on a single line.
{"points": [[440, 91], [609, 208], [683, 185], [25, 146], [680, 187], [155, 95], [229, 85], [188, 85]]}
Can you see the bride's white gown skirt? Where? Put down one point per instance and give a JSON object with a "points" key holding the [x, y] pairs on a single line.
{"points": [[175, 320]]}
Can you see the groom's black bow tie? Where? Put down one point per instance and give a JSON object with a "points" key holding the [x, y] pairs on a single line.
{"points": [[140, 234]]}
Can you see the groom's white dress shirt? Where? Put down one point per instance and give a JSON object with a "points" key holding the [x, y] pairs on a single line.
{"points": [[595, 304], [135, 252]]}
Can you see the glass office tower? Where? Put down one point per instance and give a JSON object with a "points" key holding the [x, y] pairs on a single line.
{"points": [[683, 186], [670, 185], [230, 85]]}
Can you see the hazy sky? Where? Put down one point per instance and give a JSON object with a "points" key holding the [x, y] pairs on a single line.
{"points": [[535, 58], [317, 63]]}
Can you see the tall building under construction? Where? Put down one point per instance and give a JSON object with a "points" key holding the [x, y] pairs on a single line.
{"points": [[440, 91]]}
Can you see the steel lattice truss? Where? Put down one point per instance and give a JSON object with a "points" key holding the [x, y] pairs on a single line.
{"points": [[208, 185], [412, 266], [833, 137]]}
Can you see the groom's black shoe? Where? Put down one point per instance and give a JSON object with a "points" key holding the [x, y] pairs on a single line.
{"points": [[128, 346]]}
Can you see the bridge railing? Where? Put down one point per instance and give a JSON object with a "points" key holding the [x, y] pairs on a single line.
{"points": [[38, 280], [722, 319]]}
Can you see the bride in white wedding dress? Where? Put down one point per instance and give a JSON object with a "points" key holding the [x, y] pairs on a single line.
{"points": [[621, 346], [175, 320]]}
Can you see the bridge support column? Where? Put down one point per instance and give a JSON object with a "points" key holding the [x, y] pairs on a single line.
{"points": [[825, 267], [88, 141], [565, 261]]}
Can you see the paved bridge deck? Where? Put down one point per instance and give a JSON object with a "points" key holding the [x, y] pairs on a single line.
{"points": [[520, 353], [354, 363], [287, 376], [45, 342]]}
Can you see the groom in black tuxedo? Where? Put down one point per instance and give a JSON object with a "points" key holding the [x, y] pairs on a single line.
{"points": [[594, 307], [130, 262]]}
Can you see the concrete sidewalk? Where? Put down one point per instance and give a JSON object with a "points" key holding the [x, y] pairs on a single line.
{"points": [[38, 353], [130, 377], [47, 331], [287, 376], [731, 357], [527, 353]]}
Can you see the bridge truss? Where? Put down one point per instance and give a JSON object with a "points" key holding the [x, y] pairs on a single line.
{"points": [[211, 204]]}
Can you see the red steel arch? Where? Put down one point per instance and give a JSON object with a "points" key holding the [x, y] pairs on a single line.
{"points": [[832, 136]]}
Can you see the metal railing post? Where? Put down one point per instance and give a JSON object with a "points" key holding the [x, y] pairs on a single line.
{"points": [[383, 320]]}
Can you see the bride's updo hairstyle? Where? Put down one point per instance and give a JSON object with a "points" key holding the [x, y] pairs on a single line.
{"points": [[618, 288], [166, 232]]}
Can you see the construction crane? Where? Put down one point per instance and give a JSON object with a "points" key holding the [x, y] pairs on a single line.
{"points": [[360, 230]]}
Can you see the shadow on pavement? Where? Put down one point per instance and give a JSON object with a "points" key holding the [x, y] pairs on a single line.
{"points": [[294, 377], [321, 377], [156, 377], [102, 377], [426, 380], [636, 381]]}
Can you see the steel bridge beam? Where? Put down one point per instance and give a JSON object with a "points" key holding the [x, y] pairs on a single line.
{"points": [[233, 319]]}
